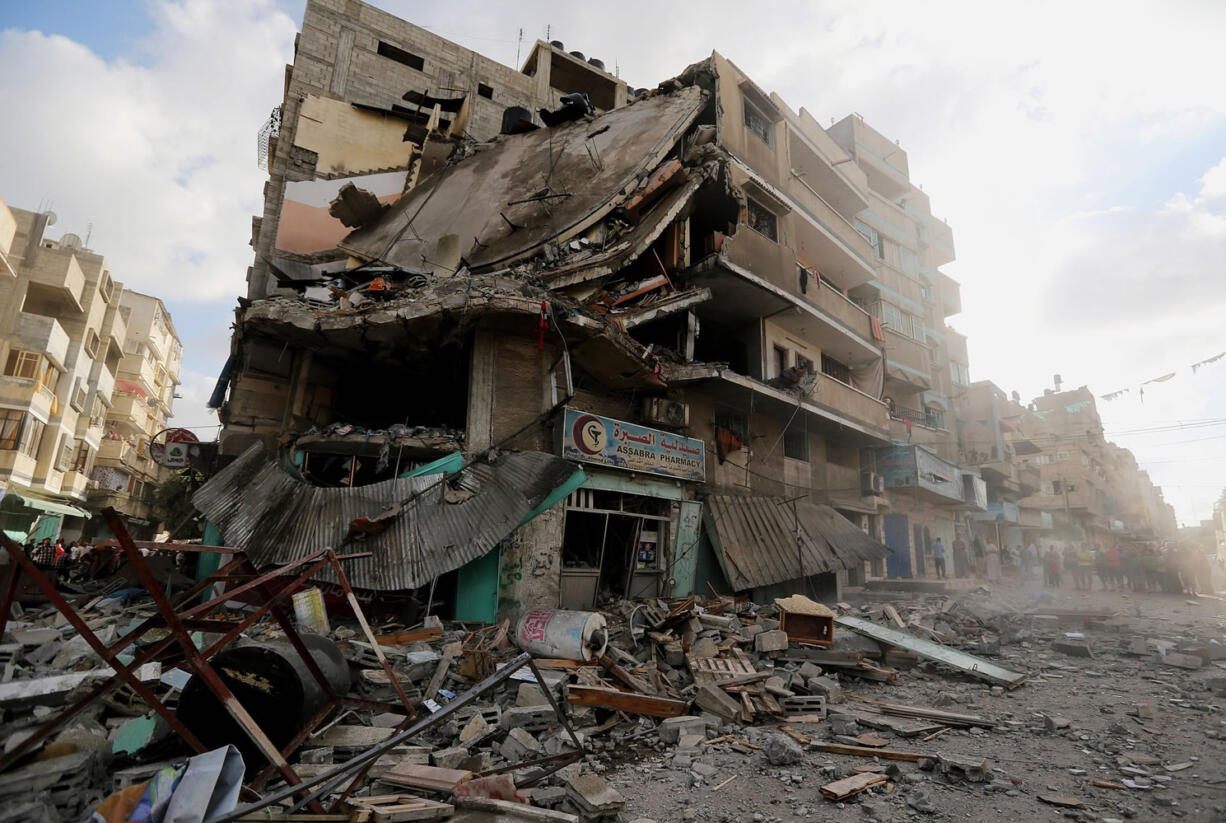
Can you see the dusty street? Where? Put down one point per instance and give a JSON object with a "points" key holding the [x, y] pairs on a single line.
{"points": [[1075, 722]]}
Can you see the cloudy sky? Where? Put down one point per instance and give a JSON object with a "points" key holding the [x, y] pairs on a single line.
{"points": [[1077, 149]]}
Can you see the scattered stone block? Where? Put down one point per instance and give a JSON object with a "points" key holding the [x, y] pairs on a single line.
{"points": [[771, 641], [594, 796], [531, 718], [1182, 661], [520, 745], [1074, 648], [717, 701], [672, 728], [781, 750]]}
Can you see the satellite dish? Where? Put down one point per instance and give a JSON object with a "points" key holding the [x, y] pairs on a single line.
{"points": [[51, 217]]}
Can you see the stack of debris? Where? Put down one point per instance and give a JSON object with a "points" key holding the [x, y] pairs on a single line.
{"points": [[494, 732]]}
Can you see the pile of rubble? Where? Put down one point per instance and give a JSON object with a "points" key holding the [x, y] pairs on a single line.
{"points": [[500, 732]]}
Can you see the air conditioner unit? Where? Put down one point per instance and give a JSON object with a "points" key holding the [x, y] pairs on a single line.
{"points": [[78, 396], [664, 412], [871, 483]]}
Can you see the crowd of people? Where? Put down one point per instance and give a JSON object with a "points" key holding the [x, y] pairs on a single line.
{"points": [[80, 560], [1138, 568]]}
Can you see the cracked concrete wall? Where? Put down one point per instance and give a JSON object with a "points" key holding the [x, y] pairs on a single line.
{"points": [[530, 571]]}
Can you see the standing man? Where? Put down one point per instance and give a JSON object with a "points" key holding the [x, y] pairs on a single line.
{"points": [[960, 560], [938, 558], [981, 568], [992, 561]]}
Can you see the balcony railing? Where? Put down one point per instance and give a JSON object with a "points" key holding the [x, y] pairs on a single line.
{"points": [[932, 418]]}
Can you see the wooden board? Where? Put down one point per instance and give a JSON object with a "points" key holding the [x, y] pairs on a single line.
{"points": [[865, 751], [714, 670], [404, 638], [849, 786], [626, 702], [520, 811], [429, 778], [395, 808]]}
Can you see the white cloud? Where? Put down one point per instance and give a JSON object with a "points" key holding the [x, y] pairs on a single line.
{"points": [[1213, 182], [159, 156]]}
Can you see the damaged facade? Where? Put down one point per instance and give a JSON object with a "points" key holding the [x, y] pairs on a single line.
{"points": [[693, 293], [696, 293]]}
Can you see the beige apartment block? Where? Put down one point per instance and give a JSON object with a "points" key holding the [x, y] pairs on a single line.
{"points": [[61, 342], [125, 475]]}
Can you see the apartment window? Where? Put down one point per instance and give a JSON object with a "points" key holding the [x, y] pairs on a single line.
{"points": [[762, 220], [10, 428], [781, 360], [758, 123], [733, 421], [959, 374], [22, 364], [835, 369], [106, 286], [870, 234], [485, 91], [63, 459], [31, 436], [891, 316], [80, 460], [917, 328], [91, 343], [796, 442], [908, 261], [934, 355], [401, 56], [78, 395]]}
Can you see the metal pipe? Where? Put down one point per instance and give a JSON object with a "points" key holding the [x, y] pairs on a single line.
{"points": [[334, 777]]}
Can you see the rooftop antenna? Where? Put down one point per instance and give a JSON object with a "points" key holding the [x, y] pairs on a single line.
{"points": [[89, 232], [519, 41], [548, 29]]}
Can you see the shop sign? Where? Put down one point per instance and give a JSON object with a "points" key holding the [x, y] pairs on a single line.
{"points": [[591, 438]]}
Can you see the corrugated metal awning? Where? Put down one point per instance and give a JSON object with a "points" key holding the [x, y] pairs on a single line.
{"points": [[761, 541], [276, 518]]}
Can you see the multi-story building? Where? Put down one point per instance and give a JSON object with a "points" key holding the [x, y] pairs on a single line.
{"points": [[1094, 488], [61, 343], [992, 436], [125, 475], [703, 270], [926, 368]]}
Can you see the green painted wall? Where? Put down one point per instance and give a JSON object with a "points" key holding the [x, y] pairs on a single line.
{"points": [[476, 596]]}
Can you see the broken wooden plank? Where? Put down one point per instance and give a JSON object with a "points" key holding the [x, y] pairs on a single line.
{"points": [[520, 811], [413, 636], [865, 751], [396, 808], [624, 701], [850, 786], [620, 673], [350, 737], [450, 652], [922, 713], [968, 663], [428, 778], [892, 613]]}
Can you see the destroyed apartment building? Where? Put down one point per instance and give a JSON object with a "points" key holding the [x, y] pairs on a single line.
{"points": [[620, 355]]}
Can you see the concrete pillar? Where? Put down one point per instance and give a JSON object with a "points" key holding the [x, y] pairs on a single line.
{"points": [[530, 576], [479, 427]]}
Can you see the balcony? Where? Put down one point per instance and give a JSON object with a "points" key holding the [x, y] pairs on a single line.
{"points": [[844, 409], [125, 503], [104, 383], [28, 393], [131, 414], [951, 294], [122, 455], [915, 470], [56, 282], [15, 466], [932, 418], [36, 332], [753, 277], [74, 484], [940, 240], [140, 370]]}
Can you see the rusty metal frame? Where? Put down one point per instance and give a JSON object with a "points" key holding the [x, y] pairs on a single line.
{"points": [[322, 785], [237, 569]]}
